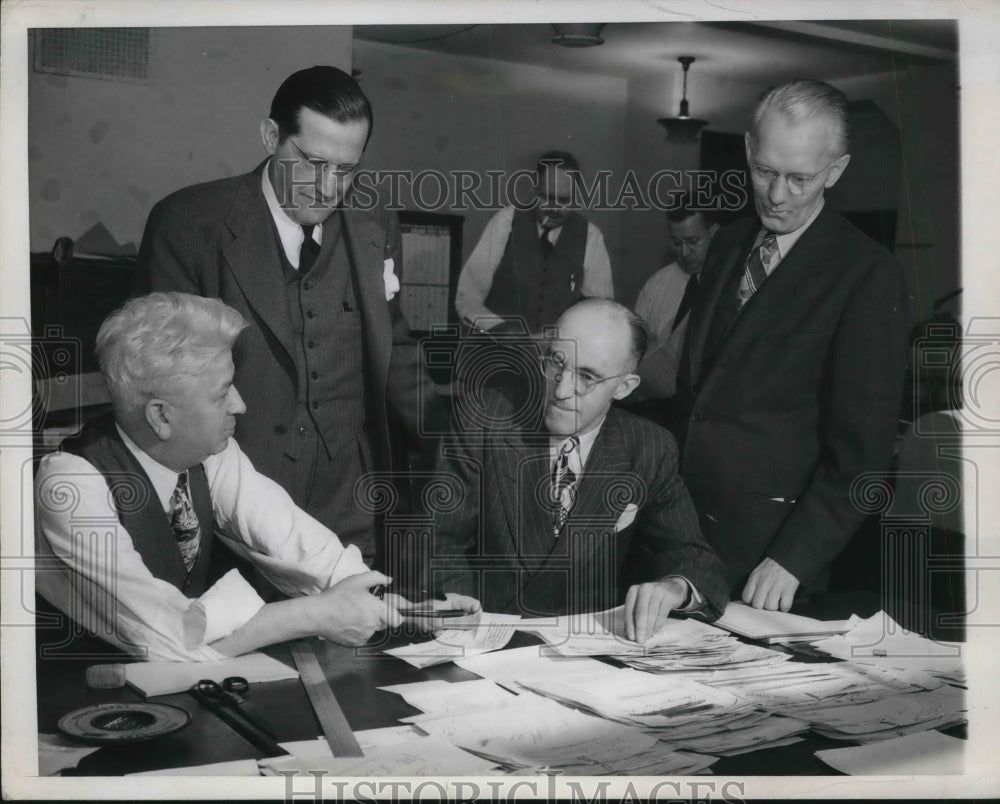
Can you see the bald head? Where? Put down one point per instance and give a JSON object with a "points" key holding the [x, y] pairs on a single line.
{"points": [[591, 363]]}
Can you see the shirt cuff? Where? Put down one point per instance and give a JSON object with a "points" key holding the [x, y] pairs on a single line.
{"points": [[694, 600], [229, 604]]}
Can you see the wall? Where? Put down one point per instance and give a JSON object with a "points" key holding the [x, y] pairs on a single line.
{"points": [[446, 113], [108, 150]]}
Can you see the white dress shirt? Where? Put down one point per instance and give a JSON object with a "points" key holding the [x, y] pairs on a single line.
{"points": [[89, 568], [290, 233], [476, 278], [659, 301]]}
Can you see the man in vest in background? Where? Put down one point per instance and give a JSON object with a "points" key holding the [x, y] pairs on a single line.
{"points": [[134, 516], [529, 265], [327, 353]]}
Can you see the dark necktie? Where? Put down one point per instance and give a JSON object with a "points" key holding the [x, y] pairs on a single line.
{"points": [[309, 250], [757, 263], [686, 301], [563, 484], [545, 243], [184, 522]]}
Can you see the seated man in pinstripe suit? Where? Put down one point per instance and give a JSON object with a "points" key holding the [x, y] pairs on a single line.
{"points": [[565, 502]]}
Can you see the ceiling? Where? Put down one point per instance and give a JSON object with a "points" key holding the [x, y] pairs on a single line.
{"points": [[758, 53]]}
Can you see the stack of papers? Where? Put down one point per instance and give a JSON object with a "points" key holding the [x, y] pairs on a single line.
{"points": [[537, 734], [880, 641], [685, 714], [895, 716], [775, 626], [492, 632], [444, 698]]}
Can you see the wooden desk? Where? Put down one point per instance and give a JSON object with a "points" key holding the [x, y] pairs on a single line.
{"points": [[354, 675]]}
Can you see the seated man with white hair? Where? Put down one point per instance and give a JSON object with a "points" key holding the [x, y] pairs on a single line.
{"points": [[134, 515]]}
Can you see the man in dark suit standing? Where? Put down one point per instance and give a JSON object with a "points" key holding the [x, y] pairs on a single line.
{"points": [[561, 502], [328, 352], [792, 374]]}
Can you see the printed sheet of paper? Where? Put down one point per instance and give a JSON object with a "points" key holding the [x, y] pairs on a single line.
{"points": [[505, 666], [492, 633], [164, 678], [763, 624], [928, 753], [441, 697]]}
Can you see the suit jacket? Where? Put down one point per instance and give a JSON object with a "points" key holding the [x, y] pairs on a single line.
{"points": [[632, 520], [217, 239], [801, 396]]}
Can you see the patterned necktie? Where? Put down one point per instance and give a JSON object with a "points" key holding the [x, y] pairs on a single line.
{"points": [[545, 243], [184, 522], [689, 291], [563, 484], [309, 250], [757, 264]]}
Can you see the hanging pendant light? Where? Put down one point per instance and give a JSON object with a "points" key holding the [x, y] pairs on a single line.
{"points": [[683, 127], [577, 34]]}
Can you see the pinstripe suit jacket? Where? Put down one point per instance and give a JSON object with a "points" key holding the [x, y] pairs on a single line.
{"points": [[632, 521]]}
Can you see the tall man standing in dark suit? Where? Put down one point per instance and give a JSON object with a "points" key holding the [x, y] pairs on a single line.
{"points": [[328, 352], [792, 375], [563, 503]]}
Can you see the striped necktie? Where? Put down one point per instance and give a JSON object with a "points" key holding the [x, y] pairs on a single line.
{"points": [[759, 260], [563, 484], [184, 522]]}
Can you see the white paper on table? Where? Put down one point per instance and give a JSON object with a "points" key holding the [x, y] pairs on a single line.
{"points": [[452, 698], [421, 756], [317, 749], [56, 753], [926, 753], [504, 667], [491, 633], [163, 678]]}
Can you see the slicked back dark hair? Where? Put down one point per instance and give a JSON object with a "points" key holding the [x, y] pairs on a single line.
{"points": [[562, 160], [326, 90]]}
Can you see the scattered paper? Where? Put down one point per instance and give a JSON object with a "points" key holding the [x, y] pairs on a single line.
{"points": [[492, 633], [57, 753], [926, 753], [505, 666], [421, 756], [164, 678], [441, 697]]}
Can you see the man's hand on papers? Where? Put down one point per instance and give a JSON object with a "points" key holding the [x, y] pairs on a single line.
{"points": [[770, 586], [473, 610], [348, 614], [647, 606]]}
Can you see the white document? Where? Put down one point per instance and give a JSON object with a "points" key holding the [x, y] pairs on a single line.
{"points": [[441, 697], [164, 678], [926, 753], [491, 633], [893, 712], [505, 666], [762, 624]]}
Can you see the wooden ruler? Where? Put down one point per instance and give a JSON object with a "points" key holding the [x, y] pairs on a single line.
{"points": [[331, 718]]}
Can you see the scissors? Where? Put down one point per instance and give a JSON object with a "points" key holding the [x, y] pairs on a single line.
{"points": [[230, 693]]}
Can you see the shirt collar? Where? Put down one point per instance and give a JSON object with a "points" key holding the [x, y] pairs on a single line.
{"points": [[289, 232], [586, 442], [164, 479], [789, 239]]}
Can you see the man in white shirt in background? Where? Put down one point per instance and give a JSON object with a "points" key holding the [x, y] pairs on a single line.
{"points": [[665, 300], [531, 264], [127, 513]]}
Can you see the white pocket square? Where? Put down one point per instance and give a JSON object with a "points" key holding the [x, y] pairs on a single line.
{"points": [[627, 517], [390, 279]]}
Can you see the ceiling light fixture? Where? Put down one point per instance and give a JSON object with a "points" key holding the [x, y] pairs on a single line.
{"points": [[577, 34], [683, 127]]}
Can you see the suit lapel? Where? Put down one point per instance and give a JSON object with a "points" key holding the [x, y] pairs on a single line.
{"points": [[699, 324], [525, 466], [255, 260], [366, 246], [795, 281]]}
